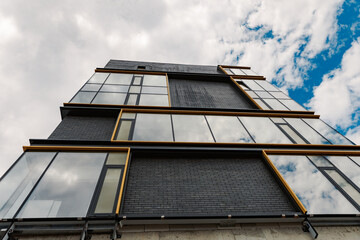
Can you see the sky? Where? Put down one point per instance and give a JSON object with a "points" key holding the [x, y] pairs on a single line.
{"points": [[48, 49]]}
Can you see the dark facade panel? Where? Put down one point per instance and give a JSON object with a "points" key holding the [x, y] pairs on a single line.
{"points": [[206, 94], [162, 67], [84, 128], [178, 184]]}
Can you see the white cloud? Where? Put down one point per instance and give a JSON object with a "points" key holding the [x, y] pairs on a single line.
{"points": [[337, 98], [51, 48]]}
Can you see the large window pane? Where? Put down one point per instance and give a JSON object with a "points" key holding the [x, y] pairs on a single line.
{"points": [[327, 132], [307, 132], [253, 85], [263, 94], [114, 88], [320, 161], [154, 100], [228, 129], [107, 197], [237, 71], [312, 188], [266, 85], [249, 72], [109, 98], [158, 90], [98, 77], [191, 128], [119, 78], [348, 167], [18, 182], [91, 87], [263, 130], [66, 188], [83, 97], [275, 104], [292, 134], [153, 127], [279, 95], [154, 80], [292, 105]]}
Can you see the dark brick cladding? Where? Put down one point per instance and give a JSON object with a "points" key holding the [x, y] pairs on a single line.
{"points": [[84, 128], [184, 185], [206, 94]]}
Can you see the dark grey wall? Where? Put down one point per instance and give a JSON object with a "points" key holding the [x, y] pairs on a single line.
{"points": [[187, 185], [162, 67], [206, 94], [84, 128]]}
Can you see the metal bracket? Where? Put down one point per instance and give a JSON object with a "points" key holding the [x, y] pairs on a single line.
{"points": [[114, 234], [307, 227], [8, 234], [85, 235]]}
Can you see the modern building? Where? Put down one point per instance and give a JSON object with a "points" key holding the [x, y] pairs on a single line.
{"points": [[150, 150]]}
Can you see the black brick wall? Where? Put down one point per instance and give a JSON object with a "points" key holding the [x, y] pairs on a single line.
{"points": [[186, 185], [206, 94], [84, 128]]}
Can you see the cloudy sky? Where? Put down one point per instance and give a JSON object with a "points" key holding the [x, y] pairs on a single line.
{"points": [[48, 49]]}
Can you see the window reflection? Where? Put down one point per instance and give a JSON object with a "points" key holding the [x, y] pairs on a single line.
{"points": [[66, 188], [154, 80], [191, 128], [292, 105], [98, 77], [275, 104], [83, 97], [348, 167], [114, 88], [228, 129], [263, 130], [307, 132], [119, 78], [91, 87], [312, 188], [19, 181], [153, 127], [109, 98], [154, 100]]}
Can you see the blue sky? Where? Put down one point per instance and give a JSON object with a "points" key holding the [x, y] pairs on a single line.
{"points": [[48, 49]]}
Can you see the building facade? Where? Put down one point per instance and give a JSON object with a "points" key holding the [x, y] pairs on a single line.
{"points": [[155, 150]]}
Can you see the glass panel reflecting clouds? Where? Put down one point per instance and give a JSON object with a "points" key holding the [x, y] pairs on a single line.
{"points": [[18, 182], [114, 88], [348, 167], [278, 120], [292, 134], [275, 104], [135, 89], [249, 72], [307, 132], [252, 94], [98, 77], [328, 132], [312, 188], [83, 97], [154, 80], [320, 161], [253, 85], [356, 159], [228, 71], [91, 87], [154, 100], [66, 188], [132, 99], [153, 127], [107, 197], [237, 71], [279, 95], [159, 90], [109, 98], [119, 78], [292, 105], [266, 85], [228, 129], [261, 104], [191, 128], [263, 130], [263, 94]]}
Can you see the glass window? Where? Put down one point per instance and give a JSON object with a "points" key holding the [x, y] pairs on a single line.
{"points": [[312, 188], [154, 80], [66, 188], [228, 71], [279, 95], [91, 87], [154, 100], [116, 158], [275, 104], [114, 88], [320, 161], [98, 77], [356, 159], [21, 178], [249, 72], [137, 80], [261, 104], [253, 85], [83, 97], [350, 190], [153, 127], [119, 78], [266, 85], [127, 115], [307, 132], [263, 94], [132, 100], [109, 98], [328, 132], [191, 128], [278, 120], [252, 94], [348, 167], [156, 90], [124, 130], [135, 89], [292, 105], [107, 197], [237, 71], [228, 129], [292, 134], [263, 130]]}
